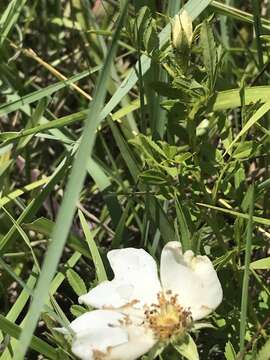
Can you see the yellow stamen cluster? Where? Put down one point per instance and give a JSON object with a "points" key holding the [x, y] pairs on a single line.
{"points": [[167, 318], [98, 355]]}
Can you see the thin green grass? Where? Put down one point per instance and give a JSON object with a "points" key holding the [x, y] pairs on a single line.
{"points": [[67, 209], [166, 151], [245, 285]]}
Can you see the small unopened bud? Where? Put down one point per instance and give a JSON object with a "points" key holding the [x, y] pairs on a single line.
{"points": [[182, 31]]}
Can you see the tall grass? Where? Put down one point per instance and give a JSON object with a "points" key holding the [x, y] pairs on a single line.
{"points": [[111, 138]]}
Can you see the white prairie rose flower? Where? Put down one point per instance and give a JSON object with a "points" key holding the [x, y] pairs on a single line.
{"points": [[137, 310]]}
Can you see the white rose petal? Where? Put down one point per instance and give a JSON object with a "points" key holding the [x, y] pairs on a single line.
{"points": [[135, 281], [193, 278], [110, 294], [141, 340], [108, 334], [95, 331]]}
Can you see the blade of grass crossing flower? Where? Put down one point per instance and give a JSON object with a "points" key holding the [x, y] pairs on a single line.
{"points": [[245, 292], [100, 270], [67, 208]]}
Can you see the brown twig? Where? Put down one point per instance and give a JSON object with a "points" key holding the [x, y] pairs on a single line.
{"points": [[31, 53]]}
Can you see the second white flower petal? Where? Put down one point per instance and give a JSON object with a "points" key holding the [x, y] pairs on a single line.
{"points": [[193, 278]]}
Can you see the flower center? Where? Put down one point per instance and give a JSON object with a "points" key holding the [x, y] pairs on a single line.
{"points": [[168, 318]]}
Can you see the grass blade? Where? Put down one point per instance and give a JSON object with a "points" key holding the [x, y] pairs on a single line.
{"points": [[254, 118], [245, 295], [258, 31], [9, 18], [36, 344], [41, 93], [183, 226], [230, 99], [18, 192], [237, 14], [67, 209], [34, 205], [100, 270], [256, 219]]}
